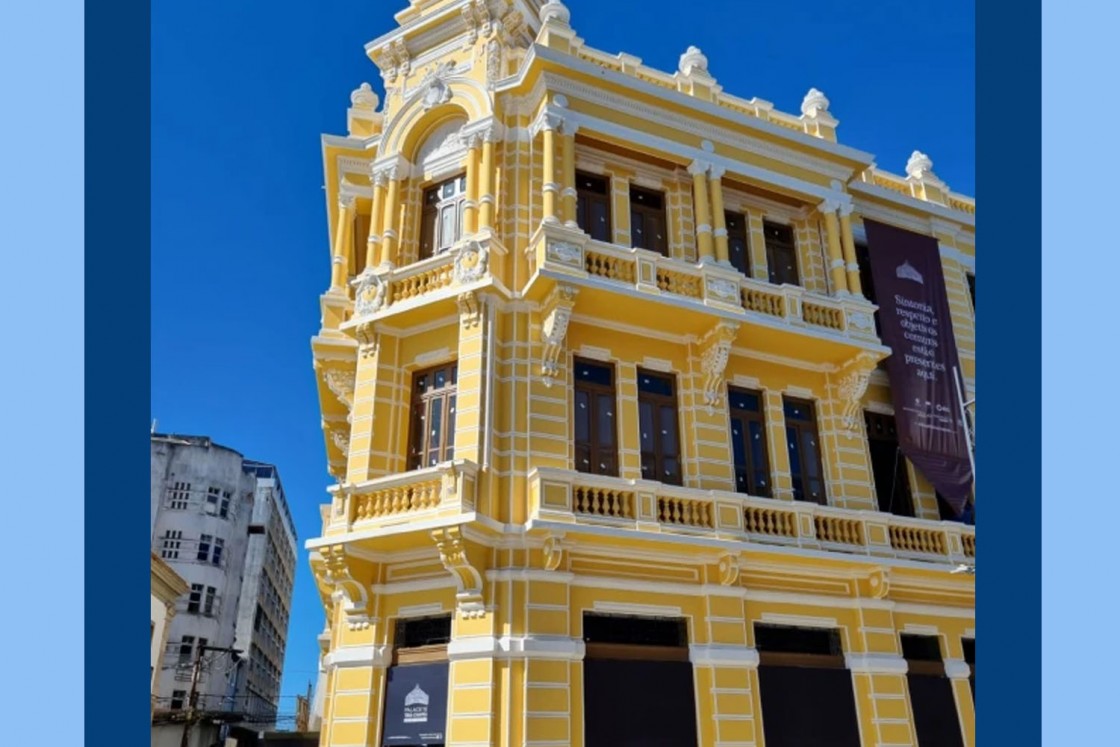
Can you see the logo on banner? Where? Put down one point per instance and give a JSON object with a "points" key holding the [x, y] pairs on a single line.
{"points": [[906, 271], [416, 707]]}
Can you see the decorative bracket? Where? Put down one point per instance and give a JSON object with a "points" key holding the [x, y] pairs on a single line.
{"points": [[470, 309], [341, 384], [371, 294], [368, 339], [453, 555], [553, 553], [876, 584], [713, 362], [554, 329], [853, 385], [729, 567], [338, 569], [471, 262]]}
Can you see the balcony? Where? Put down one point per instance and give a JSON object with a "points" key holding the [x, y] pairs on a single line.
{"points": [[406, 501], [412, 293], [701, 294], [583, 500]]}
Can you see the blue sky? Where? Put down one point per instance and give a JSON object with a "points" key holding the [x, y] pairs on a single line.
{"points": [[242, 90]]}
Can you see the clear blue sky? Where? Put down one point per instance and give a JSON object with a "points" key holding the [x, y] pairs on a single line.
{"points": [[242, 89]]}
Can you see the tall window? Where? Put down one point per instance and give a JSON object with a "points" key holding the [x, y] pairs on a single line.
{"points": [[781, 253], [737, 246], [657, 423], [204, 547], [801, 666], [971, 289], [194, 601], [172, 539], [186, 648], [595, 428], [441, 220], [804, 451], [432, 438], [748, 442], [931, 693], [593, 206], [216, 553], [208, 604], [648, 227], [177, 699], [888, 465], [180, 496], [969, 646]]}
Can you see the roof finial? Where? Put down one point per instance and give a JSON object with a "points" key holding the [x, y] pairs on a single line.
{"points": [[554, 10], [919, 166], [814, 103], [363, 97], [693, 60]]}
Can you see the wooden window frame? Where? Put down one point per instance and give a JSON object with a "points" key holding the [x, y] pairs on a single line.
{"points": [[586, 198], [650, 242], [595, 450], [431, 224], [730, 217], [421, 406], [775, 245], [901, 505], [657, 401], [805, 427], [746, 417]]}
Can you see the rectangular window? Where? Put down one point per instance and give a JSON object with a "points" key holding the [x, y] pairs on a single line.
{"points": [[177, 699], [441, 219], [738, 246], [180, 496], [623, 651], [931, 693], [971, 289], [212, 495], [781, 253], [208, 606], [804, 451], [657, 425], [888, 465], [172, 539], [593, 206], [596, 448], [204, 547], [798, 667], [223, 511], [748, 442], [969, 646], [194, 601], [219, 547], [186, 649], [648, 226], [432, 431]]}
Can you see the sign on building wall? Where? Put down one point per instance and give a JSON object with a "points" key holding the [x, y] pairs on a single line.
{"points": [[916, 324], [416, 704]]}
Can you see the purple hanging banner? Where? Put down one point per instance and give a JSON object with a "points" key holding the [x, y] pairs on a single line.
{"points": [[915, 322]]}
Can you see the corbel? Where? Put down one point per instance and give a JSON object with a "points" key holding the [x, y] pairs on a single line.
{"points": [[453, 554], [716, 351], [340, 570], [852, 384], [554, 329]]}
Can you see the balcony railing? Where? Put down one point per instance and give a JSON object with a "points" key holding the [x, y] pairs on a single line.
{"points": [[577, 498], [562, 252], [407, 497]]}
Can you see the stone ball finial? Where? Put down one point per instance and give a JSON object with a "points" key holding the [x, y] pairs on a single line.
{"points": [[554, 10], [919, 165], [363, 97], [814, 103], [693, 60]]}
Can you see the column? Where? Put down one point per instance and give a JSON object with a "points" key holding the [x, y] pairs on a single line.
{"points": [[373, 243], [343, 235], [835, 259], [879, 678], [852, 264], [699, 173], [470, 207], [568, 195], [719, 220], [390, 219], [756, 246], [551, 188], [620, 203], [486, 184], [781, 479]]}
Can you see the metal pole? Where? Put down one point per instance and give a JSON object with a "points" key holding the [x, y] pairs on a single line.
{"points": [[192, 701], [964, 425]]}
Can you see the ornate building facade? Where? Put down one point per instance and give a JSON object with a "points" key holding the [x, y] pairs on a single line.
{"points": [[601, 384]]}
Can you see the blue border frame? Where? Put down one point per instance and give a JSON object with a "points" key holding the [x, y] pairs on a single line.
{"points": [[118, 343], [1008, 165]]}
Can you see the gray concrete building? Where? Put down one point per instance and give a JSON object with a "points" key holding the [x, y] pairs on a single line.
{"points": [[222, 523]]}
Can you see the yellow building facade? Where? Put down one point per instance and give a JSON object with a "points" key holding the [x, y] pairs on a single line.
{"points": [[601, 388]]}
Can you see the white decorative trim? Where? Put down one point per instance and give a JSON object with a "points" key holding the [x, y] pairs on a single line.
{"points": [[957, 669], [516, 647], [875, 663], [800, 621], [647, 610], [722, 655], [378, 656]]}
